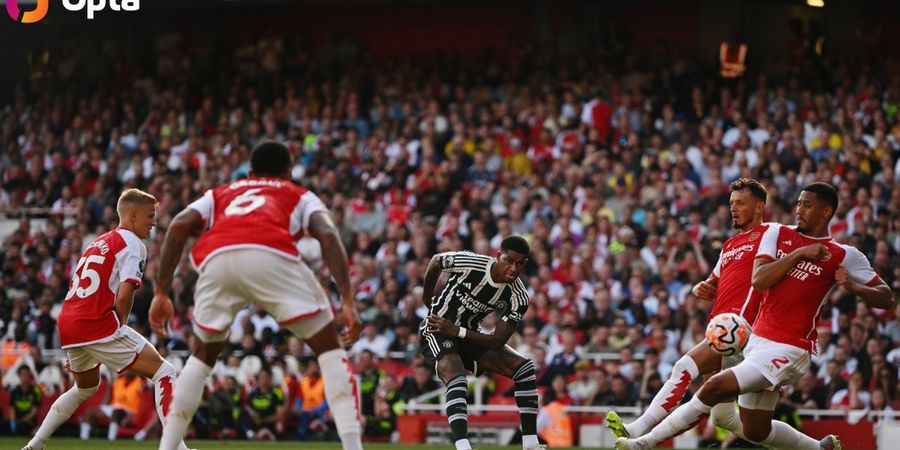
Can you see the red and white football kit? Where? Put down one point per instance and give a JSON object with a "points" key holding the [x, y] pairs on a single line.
{"points": [[790, 309], [249, 254], [89, 328], [734, 271], [784, 334]]}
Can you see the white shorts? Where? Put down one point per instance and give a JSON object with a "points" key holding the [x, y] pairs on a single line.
{"points": [[118, 353], [288, 290], [767, 366]]}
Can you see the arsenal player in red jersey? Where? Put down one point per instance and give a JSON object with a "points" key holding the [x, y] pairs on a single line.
{"points": [[728, 287], [798, 267], [246, 254], [92, 323]]}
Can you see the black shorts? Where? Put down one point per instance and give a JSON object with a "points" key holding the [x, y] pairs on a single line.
{"points": [[435, 346]]}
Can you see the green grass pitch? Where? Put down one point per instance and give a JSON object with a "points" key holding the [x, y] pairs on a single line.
{"points": [[7, 443]]}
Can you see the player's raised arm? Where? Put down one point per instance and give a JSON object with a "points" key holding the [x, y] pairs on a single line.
{"points": [[335, 256]]}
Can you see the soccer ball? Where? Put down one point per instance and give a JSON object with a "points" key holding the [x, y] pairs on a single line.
{"points": [[727, 334]]}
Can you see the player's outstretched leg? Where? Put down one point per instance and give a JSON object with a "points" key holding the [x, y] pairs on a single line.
{"points": [[697, 361], [340, 384], [64, 406], [507, 362]]}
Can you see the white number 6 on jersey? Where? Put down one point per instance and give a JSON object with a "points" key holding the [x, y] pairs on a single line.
{"points": [[244, 203], [86, 272]]}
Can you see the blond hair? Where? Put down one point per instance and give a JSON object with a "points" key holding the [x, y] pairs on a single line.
{"points": [[134, 197]]}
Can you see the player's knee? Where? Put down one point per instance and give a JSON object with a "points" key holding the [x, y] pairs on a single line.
{"points": [[86, 393], [685, 364], [449, 368], [714, 391], [723, 418], [757, 432]]}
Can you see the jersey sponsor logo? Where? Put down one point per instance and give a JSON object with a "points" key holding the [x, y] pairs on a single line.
{"points": [[736, 253], [468, 286], [471, 304], [787, 242], [803, 269]]}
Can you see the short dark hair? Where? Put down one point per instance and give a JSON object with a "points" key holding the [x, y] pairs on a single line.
{"points": [[755, 187], [270, 158], [824, 192], [515, 243]]}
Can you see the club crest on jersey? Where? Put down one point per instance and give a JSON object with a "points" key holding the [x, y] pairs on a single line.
{"points": [[754, 236], [448, 344], [826, 257]]}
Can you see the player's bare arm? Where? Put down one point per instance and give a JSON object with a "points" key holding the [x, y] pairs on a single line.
{"points": [[496, 341], [706, 289], [767, 273], [124, 301], [432, 273], [186, 224], [877, 296], [323, 229]]}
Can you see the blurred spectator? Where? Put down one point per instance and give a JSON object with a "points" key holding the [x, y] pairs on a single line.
{"points": [[264, 409], [123, 403], [370, 376], [225, 406], [584, 385], [855, 396], [421, 382], [313, 410], [371, 340], [24, 401]]}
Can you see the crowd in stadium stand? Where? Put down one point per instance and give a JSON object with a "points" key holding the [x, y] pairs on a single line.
{"points": [[615, 167]]}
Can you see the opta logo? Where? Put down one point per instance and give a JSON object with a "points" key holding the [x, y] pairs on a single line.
{"points": [[36, 14], [92, 6], [99, 5]]}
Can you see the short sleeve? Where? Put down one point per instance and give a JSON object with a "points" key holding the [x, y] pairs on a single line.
{"points": [[768, 245], [717, 271], [460, 261], [858, 266], [205, 206], [131, 261], [309, 204], [518, 304]]}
